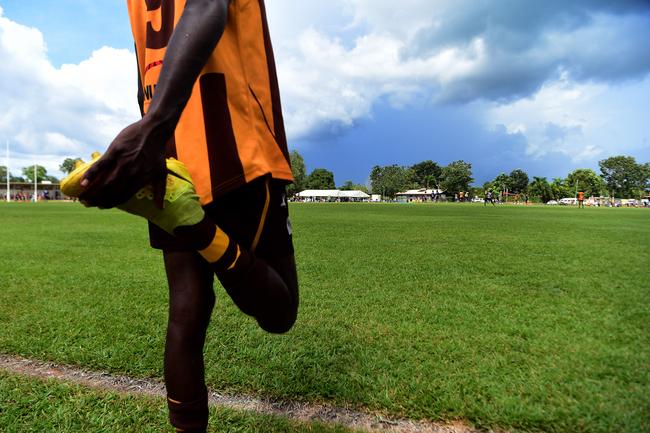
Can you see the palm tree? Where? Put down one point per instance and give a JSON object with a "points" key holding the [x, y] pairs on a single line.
{"points": [[540, 187]]}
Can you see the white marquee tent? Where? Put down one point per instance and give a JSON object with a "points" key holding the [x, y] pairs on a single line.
{"points": [[418, 194], [333, 194]]}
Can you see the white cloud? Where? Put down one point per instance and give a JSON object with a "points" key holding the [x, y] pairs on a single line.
{"points": [[402, 21], [338, 58], [323, 81], [581, 121], [49, 113]]}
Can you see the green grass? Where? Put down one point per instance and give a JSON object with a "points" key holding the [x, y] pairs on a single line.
{"points": [[528, 318], [31, 405]]}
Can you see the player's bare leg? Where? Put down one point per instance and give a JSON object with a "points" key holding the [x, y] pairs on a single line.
{"points": [[191, 300]]}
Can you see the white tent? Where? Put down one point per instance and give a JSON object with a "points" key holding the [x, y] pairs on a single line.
{"points": [[334, 194], [418, 194], [356, 194]]}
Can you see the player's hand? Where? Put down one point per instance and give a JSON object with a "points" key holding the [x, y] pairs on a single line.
{"points": [[135, 158]]}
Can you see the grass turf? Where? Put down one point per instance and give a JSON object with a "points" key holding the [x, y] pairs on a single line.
{"points": [[528, 318], [39, 406]]}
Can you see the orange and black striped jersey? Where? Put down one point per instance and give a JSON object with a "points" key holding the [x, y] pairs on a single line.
{"points": [[231, 130]]}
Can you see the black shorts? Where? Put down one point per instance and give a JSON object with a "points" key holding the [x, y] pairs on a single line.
{"points": [[255, 215]]}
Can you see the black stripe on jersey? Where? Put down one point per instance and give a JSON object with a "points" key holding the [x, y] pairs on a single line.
{"points": [[278, 122], [226, 170], [140, 89]]}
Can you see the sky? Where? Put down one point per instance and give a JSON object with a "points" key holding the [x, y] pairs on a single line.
{"points": [[546, 87]]}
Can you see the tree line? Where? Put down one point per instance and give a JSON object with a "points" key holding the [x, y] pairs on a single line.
{"points": [[319, 178], [28, 175], [620, 176], [66, 166]]}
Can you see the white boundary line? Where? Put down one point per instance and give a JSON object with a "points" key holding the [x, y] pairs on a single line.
{"points": [[300, 411]]}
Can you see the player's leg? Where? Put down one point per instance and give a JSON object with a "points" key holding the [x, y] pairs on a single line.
{"points": [[282, 319], [191, 300], [257, 288], [264, 294], [276, 247], [256, 215]]}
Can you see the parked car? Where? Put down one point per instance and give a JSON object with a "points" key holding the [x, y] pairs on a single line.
{"points": [[568, 201], [551, 202]]}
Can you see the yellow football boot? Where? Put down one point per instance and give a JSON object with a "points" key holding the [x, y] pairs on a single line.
{"points": [[181, 204], [71, 185]]}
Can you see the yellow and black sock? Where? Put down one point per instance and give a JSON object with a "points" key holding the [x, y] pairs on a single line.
{"points": [[215, 246]]}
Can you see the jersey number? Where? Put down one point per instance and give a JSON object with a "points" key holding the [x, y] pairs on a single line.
{"points": [[159, 39]]}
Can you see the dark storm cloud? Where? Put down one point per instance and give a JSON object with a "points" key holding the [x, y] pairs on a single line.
{"points": [[442, 134], [517, 24], [526, 43]]}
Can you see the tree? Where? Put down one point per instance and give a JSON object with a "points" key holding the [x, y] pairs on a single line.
{"points": [[68, 165], [560, 188], [12, 178], [360, 187], [41, 173], [377, 180], [501, 183], [487, 186], [299, 173], [540, 187], [389, 180], [518, 181], [321, 178], [623, 176], [425, 174], [348, 185], [456, 177], [586, 180]]}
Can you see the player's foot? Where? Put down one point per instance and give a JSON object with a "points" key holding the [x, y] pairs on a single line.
{"points": [[181, 204]]}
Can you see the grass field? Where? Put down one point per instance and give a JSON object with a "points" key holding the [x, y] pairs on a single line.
{"points": [[525, 318]]}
